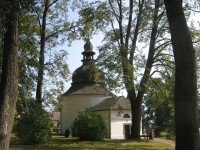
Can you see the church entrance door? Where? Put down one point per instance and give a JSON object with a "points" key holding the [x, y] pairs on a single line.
{"points": [[127, 131]]}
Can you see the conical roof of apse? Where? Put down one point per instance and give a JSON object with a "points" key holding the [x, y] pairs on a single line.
{"points": [[87, 79]]}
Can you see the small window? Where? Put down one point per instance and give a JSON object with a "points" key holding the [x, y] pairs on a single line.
{"points": [[126, 116]]}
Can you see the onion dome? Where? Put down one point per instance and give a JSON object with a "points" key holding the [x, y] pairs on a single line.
{"points": [[88, 72]]}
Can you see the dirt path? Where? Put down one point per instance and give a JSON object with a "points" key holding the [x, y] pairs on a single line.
{"points": [[170, 142]]}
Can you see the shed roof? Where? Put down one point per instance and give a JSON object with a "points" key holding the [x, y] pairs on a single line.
{"points": [[114, 103]]}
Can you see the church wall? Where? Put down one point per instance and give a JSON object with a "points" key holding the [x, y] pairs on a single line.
{"points": [[120, 113], [118, 123], [74, 104]]}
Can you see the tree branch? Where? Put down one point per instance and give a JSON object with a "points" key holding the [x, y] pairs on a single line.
{"points": [[51, 4], [38, 16]]}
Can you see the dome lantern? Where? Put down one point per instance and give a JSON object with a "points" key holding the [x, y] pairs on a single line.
{"points": [[88, 53], [88, 72]]}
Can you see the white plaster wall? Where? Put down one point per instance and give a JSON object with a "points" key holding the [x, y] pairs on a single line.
{"points": [[75, 103], [118, 122], [117, 129]]}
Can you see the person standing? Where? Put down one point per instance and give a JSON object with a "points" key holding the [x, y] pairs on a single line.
{"points": [[151, 134]]}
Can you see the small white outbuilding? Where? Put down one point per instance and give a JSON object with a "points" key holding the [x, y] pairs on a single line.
{"points": [[88, 91]]}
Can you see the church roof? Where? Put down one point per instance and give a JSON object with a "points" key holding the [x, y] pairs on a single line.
{"points": [[87, 89], [87, 79], [114, 103], [87, 73]]}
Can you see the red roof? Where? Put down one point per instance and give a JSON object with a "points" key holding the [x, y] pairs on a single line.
{"points": [[54, 115]]}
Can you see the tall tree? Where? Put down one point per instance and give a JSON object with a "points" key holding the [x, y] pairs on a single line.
{"points": [[9, 76], [52, 24], [10, 11], [136, 102], [122, 39], [185, 93], [40, 77], [56, 70]]}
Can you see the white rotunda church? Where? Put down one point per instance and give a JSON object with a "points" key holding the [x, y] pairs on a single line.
{"points": [[88, 91]]}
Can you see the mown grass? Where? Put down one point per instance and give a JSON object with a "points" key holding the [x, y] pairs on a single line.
{"points": [[166, 135], [62, 143]]}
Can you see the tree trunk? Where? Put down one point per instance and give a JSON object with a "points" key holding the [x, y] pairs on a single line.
{"points": [[136, 117], [185, 92], [137, 102], [41, 56], [9, 81]]}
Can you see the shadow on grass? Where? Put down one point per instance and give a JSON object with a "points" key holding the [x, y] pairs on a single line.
{"points": [[62, 143]]}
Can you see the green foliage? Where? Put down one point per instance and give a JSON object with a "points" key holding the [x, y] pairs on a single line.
{"points": [[198, 72], [159, 107], [168, 135], [92, 17], [89, 126], [34, 127], [58, 31]]}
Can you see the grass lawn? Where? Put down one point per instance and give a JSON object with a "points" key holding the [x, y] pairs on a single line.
{"points": [[62, 143]]}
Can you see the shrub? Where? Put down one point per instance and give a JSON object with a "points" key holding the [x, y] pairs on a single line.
{"points": [[163, 134], [34, 127], [89, 126]]}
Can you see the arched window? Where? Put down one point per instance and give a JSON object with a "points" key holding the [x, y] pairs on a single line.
{"points": [[126, 116]]}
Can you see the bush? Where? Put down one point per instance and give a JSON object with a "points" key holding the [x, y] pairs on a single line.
{"points": [[34, 127], [163, 134], [89, 126]]}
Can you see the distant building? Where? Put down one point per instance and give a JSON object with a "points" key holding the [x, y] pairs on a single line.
{"points": [[88, 91], [55, 116]]}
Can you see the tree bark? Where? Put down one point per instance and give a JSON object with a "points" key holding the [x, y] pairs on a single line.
{"points": [[186, 122], [137, 101], [41, 56], [9, 80]]}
